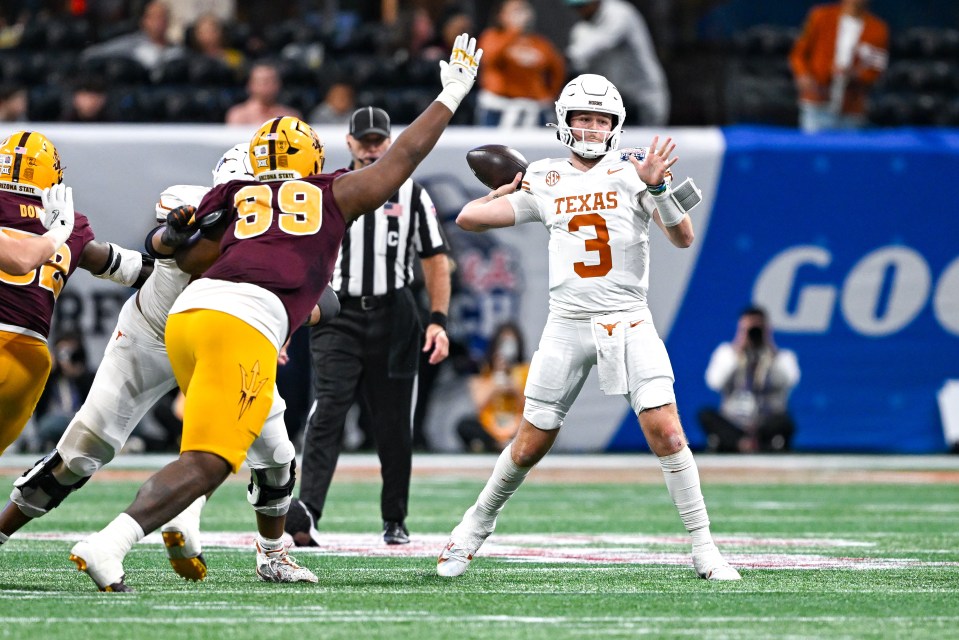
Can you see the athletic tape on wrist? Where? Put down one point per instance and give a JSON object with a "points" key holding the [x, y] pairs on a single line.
{"points": [[673, 204], [669, 210], [452, 102], [59, 234]]}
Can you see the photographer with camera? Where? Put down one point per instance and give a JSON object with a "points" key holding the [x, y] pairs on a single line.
{"points": [[66, 389], [755, 379]]}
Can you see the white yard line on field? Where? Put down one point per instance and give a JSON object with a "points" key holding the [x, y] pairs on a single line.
{"points": [[742, 551]]}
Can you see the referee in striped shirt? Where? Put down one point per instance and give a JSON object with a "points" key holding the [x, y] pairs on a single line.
{"points": [[370, 352]]}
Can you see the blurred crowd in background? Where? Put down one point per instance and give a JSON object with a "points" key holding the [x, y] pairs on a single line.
{"points": [[725, 62]]}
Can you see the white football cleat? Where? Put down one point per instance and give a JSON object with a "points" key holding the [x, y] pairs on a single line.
{"points": [[453, 561], [181, 537], [464, 542], [105, 567], [280, 566], [710, 564]]}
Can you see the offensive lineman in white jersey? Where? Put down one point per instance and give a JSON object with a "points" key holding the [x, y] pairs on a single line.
{"points": [[135, 372], [597, 205]]}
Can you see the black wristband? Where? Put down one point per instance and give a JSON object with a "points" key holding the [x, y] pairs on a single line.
{"points": [[148, 245], [438, 317]]}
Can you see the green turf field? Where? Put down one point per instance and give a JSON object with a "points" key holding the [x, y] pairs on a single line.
{"points": [[609, 560]]}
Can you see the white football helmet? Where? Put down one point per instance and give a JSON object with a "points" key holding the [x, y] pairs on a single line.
{"points": [[234, 165], [590, 92]]}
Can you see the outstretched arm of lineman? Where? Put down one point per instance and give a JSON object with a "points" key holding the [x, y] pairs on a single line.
{"points": [[362, 191]]}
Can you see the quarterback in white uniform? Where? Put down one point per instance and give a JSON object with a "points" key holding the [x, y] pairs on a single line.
{"points": [[134, 374], [597, 205]]}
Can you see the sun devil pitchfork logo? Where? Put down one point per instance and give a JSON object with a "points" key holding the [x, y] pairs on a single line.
{"points": [[250, 386]]}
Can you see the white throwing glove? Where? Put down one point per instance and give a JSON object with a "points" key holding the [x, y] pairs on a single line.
{"points": [[57, 202], [459, 73]]}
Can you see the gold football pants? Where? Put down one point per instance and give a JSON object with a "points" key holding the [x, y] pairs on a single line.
{"points": [[227, 370], [24, 368]]}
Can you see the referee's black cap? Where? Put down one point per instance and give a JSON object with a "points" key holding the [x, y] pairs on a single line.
{"points": [[367, 120]]}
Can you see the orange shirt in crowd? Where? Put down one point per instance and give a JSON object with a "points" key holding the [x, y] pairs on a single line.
{"points": [[520, 65], [814, 54]]}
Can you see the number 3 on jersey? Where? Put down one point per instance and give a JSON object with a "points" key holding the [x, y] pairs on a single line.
{"points": [[600, 243], [299, 206]]}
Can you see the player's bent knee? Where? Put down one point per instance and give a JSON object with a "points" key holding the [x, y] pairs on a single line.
{"points": [[83, 451], [271, 489], [38, 490], [543, 415], [652, 393]]}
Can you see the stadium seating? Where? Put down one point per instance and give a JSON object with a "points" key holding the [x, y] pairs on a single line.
{"points": [[920, 86], [45, 103], [203, 70], [759, 87], [116, 70], [753, 83]]}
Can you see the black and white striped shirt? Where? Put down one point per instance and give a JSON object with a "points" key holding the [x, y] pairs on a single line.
{"points": [[377, 253]]}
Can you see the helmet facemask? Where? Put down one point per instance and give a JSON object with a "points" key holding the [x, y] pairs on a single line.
{"points": [[592, 93]]}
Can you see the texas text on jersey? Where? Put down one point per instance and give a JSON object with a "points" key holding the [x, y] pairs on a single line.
{"points": [[599, 232]]}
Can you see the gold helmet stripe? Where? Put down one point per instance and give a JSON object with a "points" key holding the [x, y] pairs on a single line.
{"points": [[15, 176]]}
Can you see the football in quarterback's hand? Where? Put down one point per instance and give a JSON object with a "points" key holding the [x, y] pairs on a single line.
{"points": [[496, 164]]}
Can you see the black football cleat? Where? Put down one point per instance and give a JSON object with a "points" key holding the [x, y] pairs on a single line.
{"points": [[300, 525], [395, 533]]}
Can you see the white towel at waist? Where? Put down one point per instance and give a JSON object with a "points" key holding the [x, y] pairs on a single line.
{"points": [[609, 333]]}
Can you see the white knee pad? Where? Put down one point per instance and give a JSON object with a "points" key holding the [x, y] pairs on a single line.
{"points": [[652, 393], [271, 487], [544, 415], [82, 450]]}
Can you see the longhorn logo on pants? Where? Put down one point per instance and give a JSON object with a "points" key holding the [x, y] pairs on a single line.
{"points": [[609, 327]]}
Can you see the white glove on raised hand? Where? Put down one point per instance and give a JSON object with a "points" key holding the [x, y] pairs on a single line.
{"points": [[57, 202], [459, 74]]}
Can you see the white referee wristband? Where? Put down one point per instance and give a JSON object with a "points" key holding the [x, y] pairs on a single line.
{"points": [[59, 234]]}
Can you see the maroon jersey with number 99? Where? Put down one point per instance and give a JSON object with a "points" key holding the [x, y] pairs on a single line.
{"points": [[283, 236]]}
